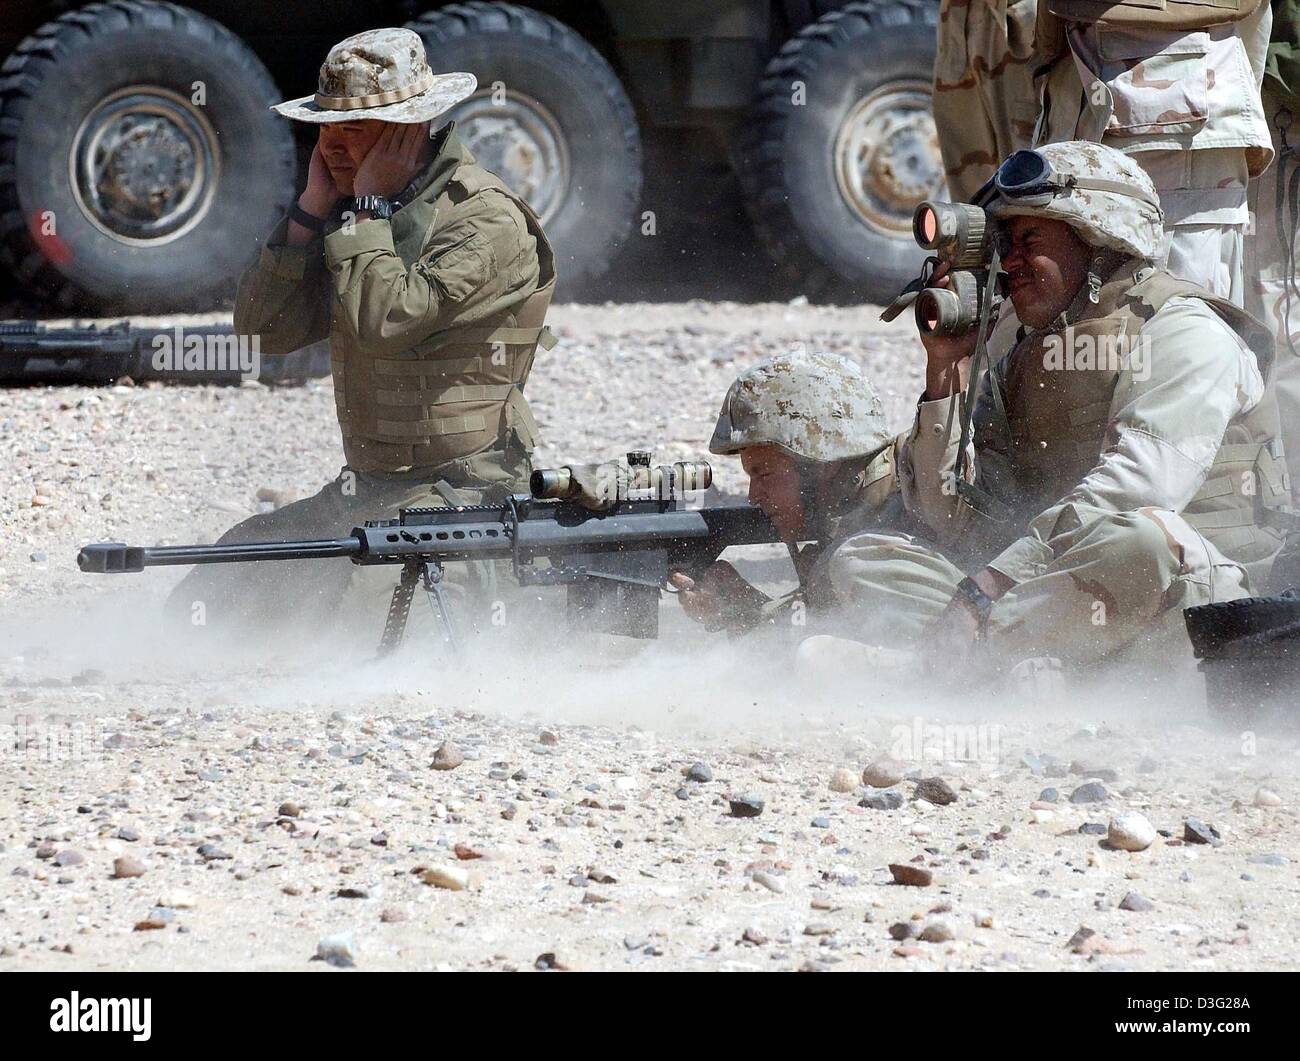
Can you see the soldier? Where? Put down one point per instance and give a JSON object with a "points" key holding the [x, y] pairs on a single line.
{"points": [[1124, 461], [1176, 86], [431, 280], [810, 433], [1276, 209], [984, 104]]}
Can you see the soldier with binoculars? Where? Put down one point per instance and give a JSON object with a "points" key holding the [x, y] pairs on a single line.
{"points": [[1084, 479]]}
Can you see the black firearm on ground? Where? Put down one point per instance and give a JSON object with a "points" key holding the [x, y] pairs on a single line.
{"points": [[611, 534]]}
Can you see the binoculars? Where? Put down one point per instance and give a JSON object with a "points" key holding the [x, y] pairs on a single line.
{"points": [[961, 237]]}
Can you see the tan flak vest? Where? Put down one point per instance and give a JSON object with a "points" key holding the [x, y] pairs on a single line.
{"points": [[459, 392], [1058, 415]]}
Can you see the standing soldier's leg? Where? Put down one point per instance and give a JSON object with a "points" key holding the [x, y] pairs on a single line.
{"points": [[1274, 261], [1204, 198], [984, 101]]}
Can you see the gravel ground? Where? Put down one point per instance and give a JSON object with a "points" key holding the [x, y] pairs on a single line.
{"points": [[168, 809]]}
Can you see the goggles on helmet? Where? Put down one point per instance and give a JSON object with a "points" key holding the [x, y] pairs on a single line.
{"points": [[1026, 178]]}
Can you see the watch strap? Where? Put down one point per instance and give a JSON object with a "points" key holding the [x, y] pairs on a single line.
{"points": [[981, 603], [309, 221]]}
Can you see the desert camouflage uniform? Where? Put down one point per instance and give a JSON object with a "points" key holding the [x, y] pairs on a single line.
{"points": [[820, 409], [1185, 106], [1277, 295], [1119, 492], [985, 106]]}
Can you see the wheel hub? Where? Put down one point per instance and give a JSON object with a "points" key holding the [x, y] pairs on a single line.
{"points": [[887, 157], [517, 138], [144, 165]]}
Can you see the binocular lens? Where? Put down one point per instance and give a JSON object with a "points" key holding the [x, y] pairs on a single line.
{"points": [[927, 226], [956, 232]]}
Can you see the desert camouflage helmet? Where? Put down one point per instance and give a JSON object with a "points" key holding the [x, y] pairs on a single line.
{"points": [[818, 407], [1100, 192]]}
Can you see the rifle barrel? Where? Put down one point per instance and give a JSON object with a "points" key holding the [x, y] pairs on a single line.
{"points": [[113, 557]]}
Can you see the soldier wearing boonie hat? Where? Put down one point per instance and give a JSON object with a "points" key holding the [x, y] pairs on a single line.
{"points": [[430, 278]]}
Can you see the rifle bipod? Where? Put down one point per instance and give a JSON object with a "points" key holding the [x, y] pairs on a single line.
{"points": [[429, 573]]}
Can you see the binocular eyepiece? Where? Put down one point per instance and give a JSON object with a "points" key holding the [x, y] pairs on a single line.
{"points": [[601, 486]]}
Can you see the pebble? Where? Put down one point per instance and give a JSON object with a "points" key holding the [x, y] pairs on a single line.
{"points": [[1130, 831], [1049, 795], [887, 799], [391, 915], [69, 857], [548, 738], [843, 780], [178, 899], [1092, 792], [699, 772], [746, 806], [1092, 829], [901, 930], [884, 773], [1269, 860], [983, 918], [770, 881], [125, 866], [935, 790], [1266, 797], [936, 932], [289, 809], [447, 756], [1196, 831], [912, 876], [128, 834], [338, 950], [453, 878], [1136, 903]]}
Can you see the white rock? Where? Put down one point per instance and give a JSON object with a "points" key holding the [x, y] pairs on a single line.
{"points": [[983, 918], [770, 881], [451, 877], [1266, 797], [1130, 831], [178, 899], [1042, 817], [338, 949], [843, 780]]}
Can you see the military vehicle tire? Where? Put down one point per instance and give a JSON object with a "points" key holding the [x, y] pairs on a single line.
{"points": [[178, 167], [841, 147], [551, 118]]}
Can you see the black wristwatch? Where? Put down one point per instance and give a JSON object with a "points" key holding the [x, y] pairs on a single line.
{"points": [[376, 205], [308, 221], [980, 602]]}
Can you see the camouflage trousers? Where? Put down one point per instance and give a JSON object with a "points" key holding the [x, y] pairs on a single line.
{"points": [[1275, 297], [310, 598], [1204, 197], [1115, 589], [984, 102]]}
